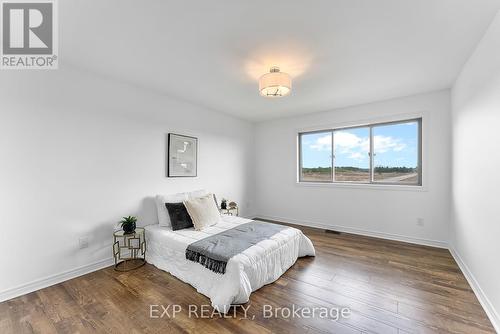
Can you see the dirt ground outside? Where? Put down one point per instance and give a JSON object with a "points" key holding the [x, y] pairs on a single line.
{"points": [[360, 176]]}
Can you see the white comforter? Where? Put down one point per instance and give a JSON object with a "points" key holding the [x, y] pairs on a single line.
{"points": [[258, 265]]}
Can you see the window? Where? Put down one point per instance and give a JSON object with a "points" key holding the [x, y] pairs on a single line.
{"points": [[382, 153], [396, 153], [352, 163], [317, 160]]}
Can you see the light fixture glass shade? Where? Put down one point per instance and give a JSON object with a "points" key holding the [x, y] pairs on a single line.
{"points": [[275, 83]]}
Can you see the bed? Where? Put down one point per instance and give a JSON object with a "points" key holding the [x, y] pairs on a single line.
{"points": [[246, 272]]}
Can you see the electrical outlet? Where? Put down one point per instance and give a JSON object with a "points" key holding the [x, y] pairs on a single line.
{"points": [[420, 222], [83, 242]]}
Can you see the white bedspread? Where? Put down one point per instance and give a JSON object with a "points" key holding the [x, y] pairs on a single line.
{"points": [[258, 265]]}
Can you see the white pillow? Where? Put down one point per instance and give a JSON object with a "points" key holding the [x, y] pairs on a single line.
{"points": [[200, 193], [203, 211], [197, 193], [163, 217]]}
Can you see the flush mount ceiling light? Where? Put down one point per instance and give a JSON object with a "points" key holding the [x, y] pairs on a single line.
{"points": [[275, 83]]}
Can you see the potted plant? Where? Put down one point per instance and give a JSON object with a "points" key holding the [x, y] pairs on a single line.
{"points": [[223, 204], [128, 224]]}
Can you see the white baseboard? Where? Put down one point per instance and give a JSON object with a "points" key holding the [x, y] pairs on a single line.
{"points": [[53, 279], [481, 296], [368, 233]]}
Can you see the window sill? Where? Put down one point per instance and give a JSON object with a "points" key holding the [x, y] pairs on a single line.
{"points": [[390, 187]]}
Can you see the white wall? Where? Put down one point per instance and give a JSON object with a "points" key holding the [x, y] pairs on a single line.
{"points": [[376, 211], [476, 157], [78, 152]]}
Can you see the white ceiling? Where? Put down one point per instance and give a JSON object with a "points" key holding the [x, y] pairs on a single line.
{"points": [[339, 52]]}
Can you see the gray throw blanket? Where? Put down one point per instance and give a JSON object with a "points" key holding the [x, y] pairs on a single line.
{"points": [[214, 251]]}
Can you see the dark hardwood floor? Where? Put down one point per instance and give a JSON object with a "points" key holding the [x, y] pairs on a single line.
{"points": [[390, 287]]}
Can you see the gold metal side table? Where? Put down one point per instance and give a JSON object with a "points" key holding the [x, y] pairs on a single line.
{"points": [[129, 250], [230, 211]]}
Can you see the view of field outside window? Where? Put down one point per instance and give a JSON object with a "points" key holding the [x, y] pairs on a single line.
{"points": [[395, 154], [316, 156], [352, 162]]}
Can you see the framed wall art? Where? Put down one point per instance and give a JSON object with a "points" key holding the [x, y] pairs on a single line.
{"points": [[182, 156]]}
